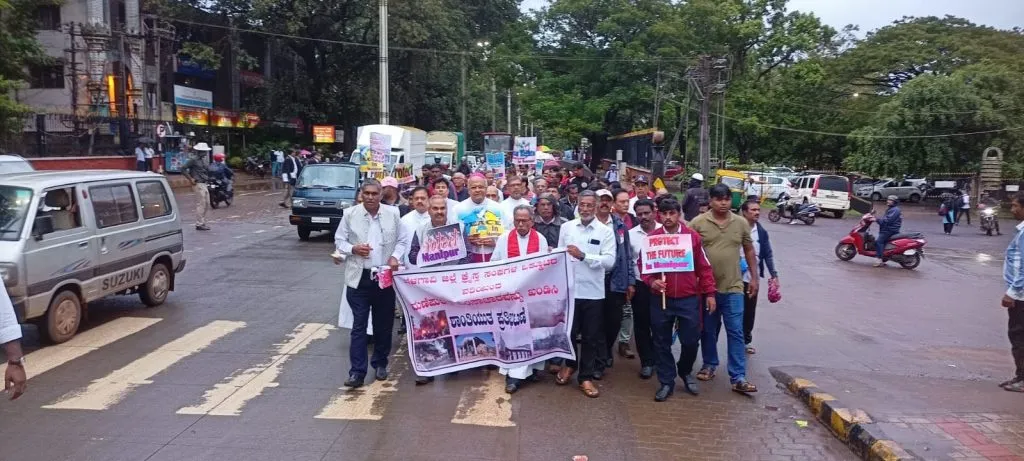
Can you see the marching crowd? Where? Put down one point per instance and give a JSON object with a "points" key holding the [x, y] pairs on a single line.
{"points": [[601, 225]]}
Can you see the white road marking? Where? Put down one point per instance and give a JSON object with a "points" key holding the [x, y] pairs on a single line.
{"points": [[367, 403], [485, 404], [111, 389], [228, 398], [240, 236], [271, 194], [51, 357], [277, 227], [259, 231], [235, 216], [250, 193]]}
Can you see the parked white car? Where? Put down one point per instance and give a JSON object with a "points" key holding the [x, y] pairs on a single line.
{"points": [[770, 186]]}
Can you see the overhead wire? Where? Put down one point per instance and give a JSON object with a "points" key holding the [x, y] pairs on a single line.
{"points": [[427, 50]]}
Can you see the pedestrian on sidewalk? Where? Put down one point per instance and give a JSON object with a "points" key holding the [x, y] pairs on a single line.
{"points": [[522, 240], [725, 235], [619, 282], [197, 170], [370, 236], [277, 161], [674, 299], [642, 294], [289, 176], [592, 248], [140, 157], [965, 208], [1013, 300], [765, 263]]}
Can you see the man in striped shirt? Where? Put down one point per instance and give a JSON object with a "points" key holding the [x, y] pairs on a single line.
{"points": [[1013, 300]]}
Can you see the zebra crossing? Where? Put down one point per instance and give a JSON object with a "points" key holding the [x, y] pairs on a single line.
{"points": [[482, 402]]}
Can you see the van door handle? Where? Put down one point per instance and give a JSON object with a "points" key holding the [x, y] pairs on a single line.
{"points": [[83, 245]]}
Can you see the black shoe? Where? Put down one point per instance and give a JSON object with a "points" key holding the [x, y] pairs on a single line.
{"points": [[421, 380], [381, 374], [663, 393], [598, 375], [354, 381], [646, 372], [203, 228], [690, 383], [610, 361]]}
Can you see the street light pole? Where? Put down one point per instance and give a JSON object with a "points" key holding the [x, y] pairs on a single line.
{"points": [[383, 52], [508, 113]]}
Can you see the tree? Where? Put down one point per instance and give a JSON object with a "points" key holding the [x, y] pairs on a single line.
{"points": [[19, 49]]}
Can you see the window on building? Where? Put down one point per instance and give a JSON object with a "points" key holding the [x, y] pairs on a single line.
{"points": [[48, 17], [47, 75]]}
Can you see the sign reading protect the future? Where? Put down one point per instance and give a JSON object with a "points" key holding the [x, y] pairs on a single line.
{"points": [[507, 313]]}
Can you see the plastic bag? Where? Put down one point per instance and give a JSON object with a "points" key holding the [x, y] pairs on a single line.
{"points": [[774, 295]]}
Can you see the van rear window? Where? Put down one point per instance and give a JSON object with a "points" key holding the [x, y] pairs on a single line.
{"points": [[834, 183]]}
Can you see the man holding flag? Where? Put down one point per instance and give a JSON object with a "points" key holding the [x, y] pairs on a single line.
{"points": [[521, 241], [676, 296]]}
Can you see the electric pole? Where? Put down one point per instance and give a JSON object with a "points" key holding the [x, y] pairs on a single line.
{"points": [[463, 91], [709, 79], [383, 52]]}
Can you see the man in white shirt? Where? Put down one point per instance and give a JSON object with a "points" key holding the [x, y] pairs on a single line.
{"points": [[10, 338], [520, 241], [418, 216], [149, 156], [140, 157], [370, 236], [481, 220], [965, 208], [642, 298], [592, 248], [516, 189]]}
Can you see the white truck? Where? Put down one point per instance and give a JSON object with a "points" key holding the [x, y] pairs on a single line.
{"points": [[408, 145]]}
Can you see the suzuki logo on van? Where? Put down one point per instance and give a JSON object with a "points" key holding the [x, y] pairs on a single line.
{"points": [[129, 278]]}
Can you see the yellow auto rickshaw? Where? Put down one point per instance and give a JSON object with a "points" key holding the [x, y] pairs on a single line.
{"points": [[739, 183]]}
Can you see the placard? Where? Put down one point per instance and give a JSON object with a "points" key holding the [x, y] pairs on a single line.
{"points": [[441, 245], [496, 163], [666, 253], [380, 151], [525, 151], [507, 313]]}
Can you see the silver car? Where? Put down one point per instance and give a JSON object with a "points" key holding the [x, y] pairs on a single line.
{"points": [[71, 237]]}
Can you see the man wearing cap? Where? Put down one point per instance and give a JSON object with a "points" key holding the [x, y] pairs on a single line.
{"points": [[197, 170], [619, 281], [888, 225], [641, 190], [696, 195]]}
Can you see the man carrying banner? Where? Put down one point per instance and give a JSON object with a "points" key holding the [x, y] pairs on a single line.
{"points": [[592, 247], [438, 211], [686, 276], [370, 236], [481, 220], [521, 241]]}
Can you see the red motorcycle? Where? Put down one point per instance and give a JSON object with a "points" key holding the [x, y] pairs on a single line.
{"points": [[905, 248]]}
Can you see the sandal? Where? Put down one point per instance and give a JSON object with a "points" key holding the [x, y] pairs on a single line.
{"points": [[589, 390], [744, 387], [563, 376], [1015, 387], [1010, 381], [706, 374], [751, 350]]}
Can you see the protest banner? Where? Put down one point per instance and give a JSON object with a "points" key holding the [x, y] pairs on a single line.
{"points": [[380, 151], [666, 253], [403, 173], [440, 245], [506, 313], [496, 163], [525, 151]]}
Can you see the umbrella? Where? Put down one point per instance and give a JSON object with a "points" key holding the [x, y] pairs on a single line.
{"points": [[544, 156], [570, 164], [543, 148]]}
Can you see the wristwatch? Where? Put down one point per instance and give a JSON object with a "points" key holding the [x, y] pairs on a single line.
{"points": [[17, 363]]}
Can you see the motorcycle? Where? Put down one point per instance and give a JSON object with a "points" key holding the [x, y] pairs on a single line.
{"points": [[219, 192], [784, 209], [905, 248], [989, 219], [256, 167]]}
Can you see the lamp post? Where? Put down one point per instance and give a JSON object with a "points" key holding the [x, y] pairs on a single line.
{"points": [[383, 53], [494, 89]]}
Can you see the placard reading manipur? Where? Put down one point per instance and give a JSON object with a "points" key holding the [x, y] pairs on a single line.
{"points": [[667, 253]]}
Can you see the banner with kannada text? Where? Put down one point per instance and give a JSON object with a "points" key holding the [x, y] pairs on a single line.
{"points": [[506, 313]]}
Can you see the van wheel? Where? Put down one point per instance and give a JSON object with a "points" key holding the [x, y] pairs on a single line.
{"points": [[914, 198], [876, 197], [838, 214], [304, 233], [154, 292], [63, 317]]}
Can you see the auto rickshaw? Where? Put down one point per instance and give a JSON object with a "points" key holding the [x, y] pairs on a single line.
{"points": [[738, 183]]}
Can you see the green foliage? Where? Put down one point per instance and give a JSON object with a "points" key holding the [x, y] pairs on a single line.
{"points": [[202, 54], [236, 163], [18, 49]]}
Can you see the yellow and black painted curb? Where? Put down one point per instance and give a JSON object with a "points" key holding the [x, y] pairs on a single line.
{"points": [[854, 427]]}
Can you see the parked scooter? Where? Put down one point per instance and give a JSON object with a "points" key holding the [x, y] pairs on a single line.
{"points": [[905, 248], [256, 167], [989, 219], [786, 208], [219, 192]]}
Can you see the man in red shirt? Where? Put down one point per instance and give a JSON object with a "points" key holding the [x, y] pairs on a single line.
{"points": [[682, 293]]}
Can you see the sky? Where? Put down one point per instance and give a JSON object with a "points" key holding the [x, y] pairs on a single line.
{"points": [[872, 14]]}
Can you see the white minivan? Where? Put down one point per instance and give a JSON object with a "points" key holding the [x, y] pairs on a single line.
{"points": [[68, 238], [830, 192]]}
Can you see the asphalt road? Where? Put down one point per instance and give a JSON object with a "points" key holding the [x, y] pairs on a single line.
{"points": [[244, 362]]}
